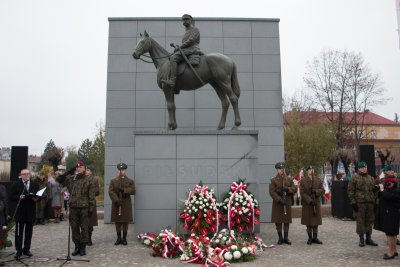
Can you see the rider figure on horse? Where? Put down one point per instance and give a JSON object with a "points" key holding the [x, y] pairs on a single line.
{"points": [[189, 46]]}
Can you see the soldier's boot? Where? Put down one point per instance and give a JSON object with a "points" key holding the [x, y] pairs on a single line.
{"points": [[118, 239], [124, 242], [77, 249], [90, 243], [369, 241], [280, 240], [173, 73], [286, 238], [362, 242], [315, 239], [82, 252], [309, 241]]}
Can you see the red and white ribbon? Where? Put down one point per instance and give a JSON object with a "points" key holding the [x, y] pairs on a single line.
{"points": [[173, 239], [216, 258]]}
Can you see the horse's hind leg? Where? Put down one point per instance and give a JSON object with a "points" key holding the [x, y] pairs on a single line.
{"points": [[227, 89], [225, 105], [170, 98]]}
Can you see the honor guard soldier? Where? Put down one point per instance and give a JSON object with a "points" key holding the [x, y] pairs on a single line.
{"points": [[95, 183], [120, 190], [362, 191], [281, 190]]}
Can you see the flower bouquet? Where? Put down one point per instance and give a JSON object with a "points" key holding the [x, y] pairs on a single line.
{"points": [[167, 245], [147, 239], [239, 208], [195, 249], [200, 214], [4, 241]]}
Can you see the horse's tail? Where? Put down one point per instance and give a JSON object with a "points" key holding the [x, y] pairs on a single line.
{"points": [[235, 82]]}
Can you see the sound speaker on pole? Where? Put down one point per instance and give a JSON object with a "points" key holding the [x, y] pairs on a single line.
{"points": [[367, 154], [19, 161]]}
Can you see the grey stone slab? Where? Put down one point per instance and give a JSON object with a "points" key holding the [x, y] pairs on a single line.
{"points": [[208, 118], [244, 63], [184, 99], [268, 117], [119, 137], [147, 81], [266, 212], [237, 45], [264, 195], [229, 169], [194, 170], [120, 99], [153, 28], [268, 99], [149, 220], [155, 197], [150, 118], [237, 146], [153, 171], [266, 172], [184, 189], [122, 29], [196, 146], [266, 63], [150, 99], [174, 28], [270, 135], [246, 115], [268, 46], [209, 28], [267, 81], [155, 147], [236, 29], [212, 45], [121, 63], [184, 118], [107, 213], [245, 81], [265, 29], [207, 99], [121, 46], [270, 154], [121, 81], [246, 99], [120, 118], [115, 155]]}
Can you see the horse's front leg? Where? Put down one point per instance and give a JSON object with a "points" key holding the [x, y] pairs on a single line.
{"points": [[170, 98]]}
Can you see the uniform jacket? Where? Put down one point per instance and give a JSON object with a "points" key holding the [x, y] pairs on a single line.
{"points": [[26, 211], [95, 182], [307, 212], [275, 190], [128, 186], [387, 214], [361, 189], [81, 190], [190, 41]]}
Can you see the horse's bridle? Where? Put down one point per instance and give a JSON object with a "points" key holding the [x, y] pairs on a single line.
{"points": [[152, 57]]}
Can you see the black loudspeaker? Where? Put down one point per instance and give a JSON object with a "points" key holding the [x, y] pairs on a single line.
{"points": [[19, 161], [367, 154]]}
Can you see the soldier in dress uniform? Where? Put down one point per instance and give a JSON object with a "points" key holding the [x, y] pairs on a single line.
{"points": [[363, 191], [311, 190], [93, 219], [281, 190], [120, 190], [81, 203]]}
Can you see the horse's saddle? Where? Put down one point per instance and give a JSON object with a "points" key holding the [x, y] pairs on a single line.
{"points": [[194, 60]]}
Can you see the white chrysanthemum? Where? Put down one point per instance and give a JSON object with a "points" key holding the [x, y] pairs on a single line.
{"points": [[205, 210], [217, 241], [192, 217], [236, 204], [245, 250], [230, 193], [224, 238], [184, 257], [236, 199], [225, 207], [197, 202], [228, 256], [237, 255], [233, 247], [245, 211], [240, 212], [146, 242]]}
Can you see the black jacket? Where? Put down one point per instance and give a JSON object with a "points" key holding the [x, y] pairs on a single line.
{"points": [[26, 211], [387, 215]]}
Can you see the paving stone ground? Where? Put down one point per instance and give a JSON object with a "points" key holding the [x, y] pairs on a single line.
{"points": [[340, 248]]}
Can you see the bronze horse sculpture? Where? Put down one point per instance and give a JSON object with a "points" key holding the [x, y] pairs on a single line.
{"points": [[216, 69]]}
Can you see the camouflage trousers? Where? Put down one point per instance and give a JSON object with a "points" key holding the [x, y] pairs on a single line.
{"points": [[365, 218], [79, 218]]}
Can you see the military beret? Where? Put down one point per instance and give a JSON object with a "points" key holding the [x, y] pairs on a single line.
{"points": [[280, 165], [80, 163], [387, 168], [361, 164], [122, 166], [308, 167]]}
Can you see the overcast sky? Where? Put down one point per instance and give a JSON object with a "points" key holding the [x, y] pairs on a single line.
{"points": [[53, 54]]}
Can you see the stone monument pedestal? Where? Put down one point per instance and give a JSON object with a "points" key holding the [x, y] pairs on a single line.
{"points": [[170, 163]]}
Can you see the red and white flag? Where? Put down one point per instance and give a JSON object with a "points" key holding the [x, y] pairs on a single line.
{"points": [[326, 187], [398, 18]]}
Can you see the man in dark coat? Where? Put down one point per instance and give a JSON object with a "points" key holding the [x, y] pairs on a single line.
{"points": [[23, 192], [362, 191], [281, 190], [120, 190], [311, 190], [93, 219]]}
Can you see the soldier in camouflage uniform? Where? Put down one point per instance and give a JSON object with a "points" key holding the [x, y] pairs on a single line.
{"points": [[93, 219], [281, 190], [362, 191], [81, 203], [120, 190]]}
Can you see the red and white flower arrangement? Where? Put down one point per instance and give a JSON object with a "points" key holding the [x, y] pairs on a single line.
{"points": [[195, 249], [200, 214], [239, 208], [167, 245], [147, 239]]}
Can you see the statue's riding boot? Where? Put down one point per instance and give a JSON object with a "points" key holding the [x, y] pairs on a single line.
{"points": [[118, 239], [362, 242], [369, 241], [82, 252], [90, 243], [77, 249], [173, 73], [124, 242], [309, 241], [286, 238], [280, 240], [315, 239]]}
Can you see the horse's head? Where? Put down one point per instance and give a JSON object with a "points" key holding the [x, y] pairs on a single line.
{"points": [[143, 45]]}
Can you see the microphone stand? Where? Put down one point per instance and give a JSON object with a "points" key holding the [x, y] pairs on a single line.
{"points": [[68, 257]]}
